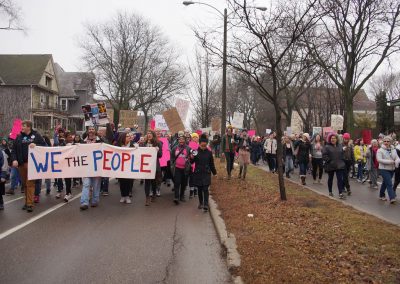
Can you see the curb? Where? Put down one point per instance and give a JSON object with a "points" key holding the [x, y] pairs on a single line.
{"points": [[227, 240]]}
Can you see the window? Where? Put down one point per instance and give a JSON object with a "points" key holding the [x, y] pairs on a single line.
{"points": [[64, 104], [42, 98], [48, 82], [56, 101]]}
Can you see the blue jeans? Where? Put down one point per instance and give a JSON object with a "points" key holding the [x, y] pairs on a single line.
{"points": [[93, 182], [360, 169], [303, 168], [38, 187], [387, 184], [15, 178], [339, 178], [289, 164]]}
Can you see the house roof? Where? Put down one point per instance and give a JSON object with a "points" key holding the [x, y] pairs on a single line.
{"points": [[70, 82], [23, 69]]}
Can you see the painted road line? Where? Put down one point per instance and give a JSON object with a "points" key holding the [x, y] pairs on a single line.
{"points": [[19, 198], [35, 218]]}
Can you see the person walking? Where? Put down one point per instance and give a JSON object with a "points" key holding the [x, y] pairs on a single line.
{"points": [[373, 164], [244, 153], [228, 149], [360, 155], [303, 148], [334, 163], [4, 168], [388, 161], [216, 143], [125, 184], [348, 154], [28, 138], [316, 158], [288, 154], [179, 159], [204, 166], [270, 147]]}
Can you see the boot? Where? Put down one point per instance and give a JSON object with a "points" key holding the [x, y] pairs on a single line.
{"points": [[244, 175], [287, 175], [148, 201], [303, 180]]}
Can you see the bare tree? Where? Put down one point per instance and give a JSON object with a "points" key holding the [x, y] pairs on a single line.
{"points": [[259, 48], [388, 83], [352, 39], [10, 13]]}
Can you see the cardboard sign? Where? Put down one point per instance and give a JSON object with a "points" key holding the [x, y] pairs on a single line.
{"points": [[92, 160], [160, 122], [173, 120], [296, 123], [95, 114], [237, 120], [128, 118], [317, 130], [337, 122], [182, 106], [216, 124]]}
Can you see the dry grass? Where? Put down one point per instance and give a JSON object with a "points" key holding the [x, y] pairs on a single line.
{"points": [[307, 239]]}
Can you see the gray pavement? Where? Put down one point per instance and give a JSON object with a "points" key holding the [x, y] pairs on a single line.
{"points": [[363, 197], [114, 243]]}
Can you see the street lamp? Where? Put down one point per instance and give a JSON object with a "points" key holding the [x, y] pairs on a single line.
{"points": [[224, 63]]}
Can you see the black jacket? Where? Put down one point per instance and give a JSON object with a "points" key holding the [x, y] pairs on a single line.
{"points": [[21, 146], [204, 166], [241, 143], [333, 156], [304, 151]]}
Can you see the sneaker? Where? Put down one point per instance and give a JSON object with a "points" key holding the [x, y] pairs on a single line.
{"points": [[105, 193], [84, 207], [392, 201], [383, 198], [94, 205], [67, 197], [36, 199], [348, 192], [176, 201], [158, 192], [10, 192], [151, 194], [205, 208], [341, 196], [200, 206], [358, 180], [58, 195], [29, 209], [122, 200], [330, 194], [128, 200], [1, 206], [24, 207]]}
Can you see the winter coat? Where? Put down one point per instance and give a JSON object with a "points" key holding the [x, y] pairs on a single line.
{"points": [[348, 153], [4, 166], [333, 157], [315, 153], [204, 166], [357, 153], [21, 146], [270, 146], [286, 151], [386, 158], [304, 150], [231, 145], [244, 143]]}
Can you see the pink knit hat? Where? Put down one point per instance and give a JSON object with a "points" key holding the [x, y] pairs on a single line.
{"points": [[346, 136]]}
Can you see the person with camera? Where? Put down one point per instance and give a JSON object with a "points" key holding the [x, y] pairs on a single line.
{"points": [[181, 167], [244, 153], [203, 167]]}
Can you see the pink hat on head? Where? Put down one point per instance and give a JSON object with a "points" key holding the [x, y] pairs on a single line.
{"points": [[346, 136]]}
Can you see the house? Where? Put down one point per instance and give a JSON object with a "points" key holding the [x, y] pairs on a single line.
{"points": [[75, 89], [33, 87], [29, 91]]}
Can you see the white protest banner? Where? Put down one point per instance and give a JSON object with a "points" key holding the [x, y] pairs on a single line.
{"points": [[337, 122], [288, 131], [160, 122], [237, 120], [296, 123], [92, 160], [182, 106], [268, 131]]}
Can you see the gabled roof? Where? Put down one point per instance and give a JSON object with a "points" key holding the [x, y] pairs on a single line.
{"points": [[23, 69], [70, 82]]}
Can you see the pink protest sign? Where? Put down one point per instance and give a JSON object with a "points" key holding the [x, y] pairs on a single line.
{"points": [[252, 133], [152, 124], [193, 145], [166, 156], [199, 132], [16, 129], [327, 130]]}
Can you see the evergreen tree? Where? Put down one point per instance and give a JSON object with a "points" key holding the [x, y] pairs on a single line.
{"points": [[384, 119]]}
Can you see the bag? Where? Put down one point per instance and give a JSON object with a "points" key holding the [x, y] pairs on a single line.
{"points": [[188, 167]]}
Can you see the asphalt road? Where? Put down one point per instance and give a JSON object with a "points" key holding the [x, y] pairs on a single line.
{"points": [[113, 243], [363, 197]]}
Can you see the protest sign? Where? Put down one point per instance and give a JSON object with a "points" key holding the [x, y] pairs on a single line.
{"points": [[166, 154], [289, 131], [128, 118], [95, 114], [268, 131], [251, 132], [237, 120], [337, 122], [92, 160], [205, 130], [296, 123], [326, 131], [216, 124], [16, 128], [317, 130], [173, 120], [160, 122], [182, 106]]}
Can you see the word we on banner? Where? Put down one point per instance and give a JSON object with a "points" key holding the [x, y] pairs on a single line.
{"points": [[92, 160]]}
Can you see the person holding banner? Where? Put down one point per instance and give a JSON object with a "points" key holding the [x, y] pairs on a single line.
{"points": [[90, 182], [125, 185], [152, 141], [19, 156], [179, 163], [228, 149]]}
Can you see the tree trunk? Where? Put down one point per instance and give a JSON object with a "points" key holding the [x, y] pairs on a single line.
{"points": [[279, 152], [348, 114], [146, 121]]}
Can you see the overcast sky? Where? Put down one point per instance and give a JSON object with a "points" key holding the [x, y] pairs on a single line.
{"points": [[53, 26]]}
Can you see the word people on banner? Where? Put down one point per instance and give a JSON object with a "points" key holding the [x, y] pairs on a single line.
{"points": [[160, 122], [237, 120], [182, 106], [95, 114], [296, 123], [92, 160], [337, 121]]}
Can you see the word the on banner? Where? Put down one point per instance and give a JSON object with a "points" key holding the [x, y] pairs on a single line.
{"points": [[92, 160]]}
